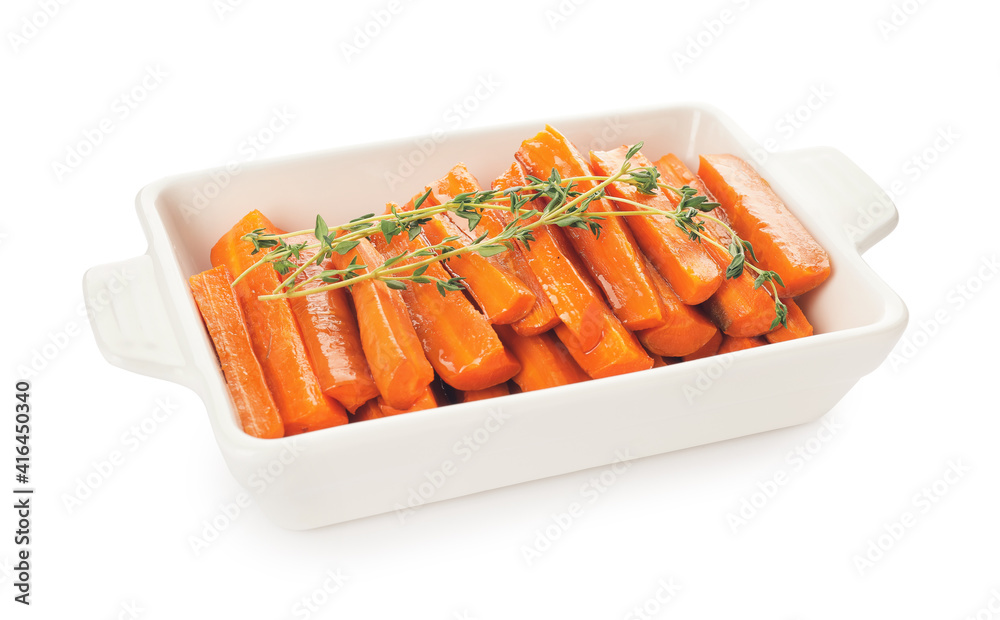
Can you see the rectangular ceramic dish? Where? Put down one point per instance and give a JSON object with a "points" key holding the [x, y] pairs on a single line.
{"points": [[152, 326]]}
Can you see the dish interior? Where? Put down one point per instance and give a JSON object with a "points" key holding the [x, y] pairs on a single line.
{"points": [[197, 209]]}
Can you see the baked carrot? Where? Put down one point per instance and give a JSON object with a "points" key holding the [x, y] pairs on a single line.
{"points": [[736, 307], [711, 348], [430, 398], [613, 259], [541, 316], [756, 213], [458, 340], [391, 346], [686, 329], [330, 333], [730, 344], [368, 411], [500, 389], [617, 353], [221, 311], [565, 283], [658, 361], [798, 325], [499, 293], [684, 262], [275, 335], [545, 362]]}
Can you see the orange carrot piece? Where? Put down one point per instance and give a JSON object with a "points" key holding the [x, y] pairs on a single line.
{"points": [[798, 325], [219, 308], [711, 348], [541, 316], [391, 346], [758, 215], [617, 353], [736, 307], [330, 333], [430, 398], [368, 411], [693, 274], [613, 259], [730, 344], [545, 362], [457, 338], [564, 281], [275, 335], [500, 389], [686, 329], [501, 296]]}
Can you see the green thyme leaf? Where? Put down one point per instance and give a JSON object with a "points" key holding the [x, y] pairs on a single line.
{"points": [[322, 230], [344, 247], [420, 201], [735, 268], [389, 230], [749, 247], [491, 250], [780, 314], [635, 148]]}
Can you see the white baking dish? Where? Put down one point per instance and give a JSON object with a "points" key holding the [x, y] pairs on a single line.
{"points": [[152, 326]]}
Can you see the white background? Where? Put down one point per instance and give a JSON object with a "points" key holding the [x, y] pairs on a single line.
{"points": [[890, 91]]}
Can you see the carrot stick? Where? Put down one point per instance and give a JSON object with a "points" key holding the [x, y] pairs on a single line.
{"points": [[730, 344], [613, 259], [684, 262], [330, 333], [736, 307], [430, 398], [501, 296], [686, 329], [541, 315], [500, 389], [758, 215], [221, 311], [618, 351], [565, 282], [275, 335], [457, 338], [368, 411], [545, 362], [798, 325], [659, 362], [711, 348], [394, 352]]}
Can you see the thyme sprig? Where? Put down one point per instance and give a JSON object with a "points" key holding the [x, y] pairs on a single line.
{"points": [[566, 206]]}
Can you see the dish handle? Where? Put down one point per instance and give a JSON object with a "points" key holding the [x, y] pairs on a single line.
{"points": [[130, 320], [841, 191]]}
